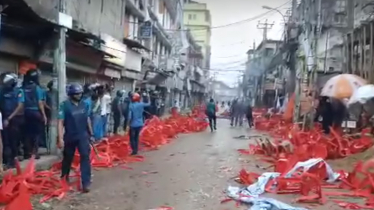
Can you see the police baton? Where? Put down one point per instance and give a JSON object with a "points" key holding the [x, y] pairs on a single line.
{"points": [[95, 150]]}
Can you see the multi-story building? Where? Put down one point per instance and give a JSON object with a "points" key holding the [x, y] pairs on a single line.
{"points": [[120, 42], [328, 21], [223, 92], [197, 18], [359, 42], [261, 81], [315, 47]]}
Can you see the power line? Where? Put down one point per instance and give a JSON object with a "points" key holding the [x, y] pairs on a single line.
{"points": [[230, 56], [235, 23]]}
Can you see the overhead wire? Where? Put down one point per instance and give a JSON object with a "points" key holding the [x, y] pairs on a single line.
{"points": [[237, 22], [214, 27]]}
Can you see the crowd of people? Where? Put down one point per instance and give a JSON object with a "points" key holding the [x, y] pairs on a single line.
{"points": [[239, 109], [27, 110]]}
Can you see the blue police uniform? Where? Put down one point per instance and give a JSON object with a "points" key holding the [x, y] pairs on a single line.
{"points": [[10, 98], [136, 122], [125, 111], [34, 127], [76, 136]]}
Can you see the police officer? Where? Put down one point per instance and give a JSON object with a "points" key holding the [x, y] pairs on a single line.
{"points": [[35, 117], [125, 109], [117, 110], [75, 132], [11, 105]]}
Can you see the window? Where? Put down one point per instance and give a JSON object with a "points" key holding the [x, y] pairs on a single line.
{"points": [[192, 16], [269, 51], [207, 16]]}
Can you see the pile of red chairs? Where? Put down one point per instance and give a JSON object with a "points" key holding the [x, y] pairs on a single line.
{"points": [[16, 189], [289, 145]]}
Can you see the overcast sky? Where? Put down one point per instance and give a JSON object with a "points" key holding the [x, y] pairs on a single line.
{"points": [[230, 44]]}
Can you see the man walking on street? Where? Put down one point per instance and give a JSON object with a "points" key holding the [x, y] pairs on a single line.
{"points": [[249, 115], [136, 120], [234, 111], [211, 109], [75, 132]]}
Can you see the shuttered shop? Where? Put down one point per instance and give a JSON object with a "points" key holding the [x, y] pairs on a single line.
{"points": [[123, 84], [8, 64]]}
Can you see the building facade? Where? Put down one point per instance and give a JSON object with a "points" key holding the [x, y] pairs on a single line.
{"points": [[262, 79], [197, 18], [223, 92]]}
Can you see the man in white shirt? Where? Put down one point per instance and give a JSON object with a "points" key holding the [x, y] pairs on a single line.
{"points": [[105, 108]]}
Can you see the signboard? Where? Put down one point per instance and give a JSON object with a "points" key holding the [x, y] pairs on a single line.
{"points": [[349, 124], [146, 30], [112, 73]]}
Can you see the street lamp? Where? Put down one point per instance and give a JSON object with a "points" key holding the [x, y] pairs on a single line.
{"points": [[277, 10]]}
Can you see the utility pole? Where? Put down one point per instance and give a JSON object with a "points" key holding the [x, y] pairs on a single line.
{"points": [[317, 34], [295, 71], [264, 27], [59, 70], [214, 81]]}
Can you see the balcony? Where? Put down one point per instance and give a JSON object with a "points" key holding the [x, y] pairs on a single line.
{"points": [[136, 9], [166, 63], [158, 28]]}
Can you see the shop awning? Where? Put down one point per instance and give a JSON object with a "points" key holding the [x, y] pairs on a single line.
{"points": [[134, 44]]}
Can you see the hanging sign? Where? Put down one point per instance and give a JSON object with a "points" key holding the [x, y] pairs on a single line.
{"points": [[146, 30]]}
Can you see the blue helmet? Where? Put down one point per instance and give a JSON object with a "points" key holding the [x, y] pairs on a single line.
{"points": [[74, 89]]}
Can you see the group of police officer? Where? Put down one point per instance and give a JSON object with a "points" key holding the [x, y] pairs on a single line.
{"points": [[24, 116], [25, 111]]}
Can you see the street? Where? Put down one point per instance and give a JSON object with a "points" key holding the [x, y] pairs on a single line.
{"points": [[191, 173]]}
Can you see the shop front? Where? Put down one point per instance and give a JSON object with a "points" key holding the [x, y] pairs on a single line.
{"points": [[82, 62]]}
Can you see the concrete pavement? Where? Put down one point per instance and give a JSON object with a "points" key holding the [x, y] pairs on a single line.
{"points": [[188, 174]]}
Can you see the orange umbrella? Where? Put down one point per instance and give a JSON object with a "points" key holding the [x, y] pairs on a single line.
{"points": [[342, 86]]}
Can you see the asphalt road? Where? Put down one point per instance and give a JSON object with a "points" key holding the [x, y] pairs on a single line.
{"points": [[188, 174]]}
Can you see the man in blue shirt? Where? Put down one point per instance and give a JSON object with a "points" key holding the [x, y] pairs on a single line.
{"points": [[75, 132], [136, 121], [11, 105], [35, 117]]}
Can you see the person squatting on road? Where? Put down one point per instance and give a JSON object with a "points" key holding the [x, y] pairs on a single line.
{"points": [[136, 120], [75, 121], [11, 104], [211, 109], [35, 117]]}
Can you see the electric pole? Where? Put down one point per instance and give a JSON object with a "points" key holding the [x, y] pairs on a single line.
{"points": [[314, 77], [295, 71], [264, 27], [59, 80]]}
